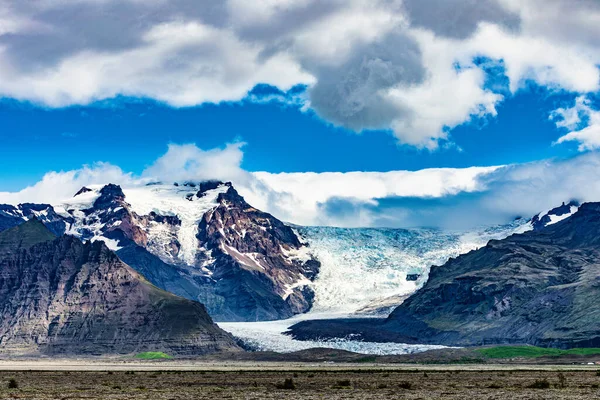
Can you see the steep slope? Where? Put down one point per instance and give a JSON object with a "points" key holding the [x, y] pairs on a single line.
{"points": [[541, 287], [258, 260], [24, 236], [201, 241], [60, 295]]}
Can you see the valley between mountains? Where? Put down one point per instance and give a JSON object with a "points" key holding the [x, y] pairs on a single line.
{"points": [[117, 270]]}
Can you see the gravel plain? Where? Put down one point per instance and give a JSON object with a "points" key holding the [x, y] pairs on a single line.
{"points": [[73, 379]]}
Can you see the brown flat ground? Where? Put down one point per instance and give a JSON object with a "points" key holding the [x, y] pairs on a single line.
{"points": [[453, 382]]}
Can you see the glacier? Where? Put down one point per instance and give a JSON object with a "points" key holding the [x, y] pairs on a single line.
{"points": [[364, 271], [364, 274]]}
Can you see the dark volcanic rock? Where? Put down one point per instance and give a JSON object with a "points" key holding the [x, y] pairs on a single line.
{"points": [[9, 216], [58, 295], [209, 185], [82, 191], [540, 288]]}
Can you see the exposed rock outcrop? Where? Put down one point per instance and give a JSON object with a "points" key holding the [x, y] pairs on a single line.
{"points": [[258, 261], [58, 295]]}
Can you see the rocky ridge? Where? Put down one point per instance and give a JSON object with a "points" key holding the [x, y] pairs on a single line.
{"points": [[59, 295]]}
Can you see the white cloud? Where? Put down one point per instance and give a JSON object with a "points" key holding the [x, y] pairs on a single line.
{"points": [[188, 162], [57, 186], [571, 119], [448, 97], [557, 64], [446, 197], [179, 163], [382, 64], [300, 196]]}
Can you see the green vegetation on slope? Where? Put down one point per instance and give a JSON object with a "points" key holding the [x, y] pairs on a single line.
{"points": [[532, 352], [24, 236], [152, 355]]}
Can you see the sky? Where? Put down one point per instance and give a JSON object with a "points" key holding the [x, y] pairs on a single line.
{"points": [[399, 113]]}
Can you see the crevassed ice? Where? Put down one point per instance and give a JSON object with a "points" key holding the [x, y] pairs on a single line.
{"points": [[360, 267]]}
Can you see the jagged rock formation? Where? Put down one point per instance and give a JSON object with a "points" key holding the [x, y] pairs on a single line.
{"points": [[201, 241], [12, 216], [541, 288], [256, 260], [58, 295]]}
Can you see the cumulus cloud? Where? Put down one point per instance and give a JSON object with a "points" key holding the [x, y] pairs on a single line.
{"points": [[58, 186], [583, 123], [376, 64], [188, 162]]}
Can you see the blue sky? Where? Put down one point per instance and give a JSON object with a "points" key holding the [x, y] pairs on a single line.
{"points": [[279, 137], [138, 90]]}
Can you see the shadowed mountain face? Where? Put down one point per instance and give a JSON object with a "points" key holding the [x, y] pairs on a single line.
{"points": [[58, 295], [541, 287]]}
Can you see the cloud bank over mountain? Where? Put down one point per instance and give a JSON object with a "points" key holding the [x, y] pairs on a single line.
{"points": [[409, 66], [450, 198]]}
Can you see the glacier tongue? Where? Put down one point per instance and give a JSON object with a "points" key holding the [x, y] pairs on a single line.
{"points": [[368, 268]]}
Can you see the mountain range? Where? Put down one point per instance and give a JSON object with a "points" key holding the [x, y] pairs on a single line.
{"points": [[200, 241], [115, 270]]}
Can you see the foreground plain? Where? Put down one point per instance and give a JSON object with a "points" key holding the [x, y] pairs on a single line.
{"points": [[334, 382]]}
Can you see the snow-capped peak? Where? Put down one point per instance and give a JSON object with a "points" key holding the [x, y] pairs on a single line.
{"points": [[554, 215]]}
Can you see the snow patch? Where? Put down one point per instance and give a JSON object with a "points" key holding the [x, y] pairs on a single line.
{"points": [[557, 218], [169, 200], [289, 289], [110, 243]]}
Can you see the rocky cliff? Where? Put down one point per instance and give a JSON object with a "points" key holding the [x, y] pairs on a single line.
{"points": [[541, 288], [59, 295], [255, 261]]}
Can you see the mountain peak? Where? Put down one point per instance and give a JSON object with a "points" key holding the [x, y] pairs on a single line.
{"points": [[82, 191], [205, 186], [109, 194], [554, 215]]}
